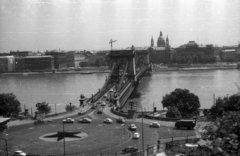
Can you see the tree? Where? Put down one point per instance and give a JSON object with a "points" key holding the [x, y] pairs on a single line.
{"points": [[43, 108], [231, 103], [173, 112], [220, 138], [9, 105], [83, 64], [187, 103]]}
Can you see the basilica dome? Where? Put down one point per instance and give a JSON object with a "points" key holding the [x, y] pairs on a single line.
{"points": [[161, 41]]}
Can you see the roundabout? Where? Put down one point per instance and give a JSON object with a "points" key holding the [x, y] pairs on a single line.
{"points": [[84, 139]]}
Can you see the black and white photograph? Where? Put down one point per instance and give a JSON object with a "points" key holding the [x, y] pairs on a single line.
{"points": [[119, 77]]}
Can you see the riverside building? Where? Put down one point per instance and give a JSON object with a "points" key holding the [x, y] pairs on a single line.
{"points": [[7, 63]]}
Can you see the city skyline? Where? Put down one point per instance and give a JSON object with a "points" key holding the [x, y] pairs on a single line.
{"points": [[41, 25]]}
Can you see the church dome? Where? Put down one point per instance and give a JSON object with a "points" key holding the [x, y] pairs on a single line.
{"points": [[161, 41]]}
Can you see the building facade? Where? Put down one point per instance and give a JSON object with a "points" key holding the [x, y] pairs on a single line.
{"points": [[21, 53], [7, 63], [60, 60], [35, 63]]}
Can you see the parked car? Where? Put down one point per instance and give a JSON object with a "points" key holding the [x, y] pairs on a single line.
{"points": [[154, 124], [132, 127], [189, 124], [108, 120], [129, 149], [121, 120], [103, 103], [82, 111], [19, 153], [136, 135], [68, 120], [85, 120], [100, 110]]}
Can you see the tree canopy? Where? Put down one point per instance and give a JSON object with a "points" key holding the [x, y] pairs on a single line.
{"points": [[186, 102], [231, 103], [43, 108], [9, 105], [220, 138]]}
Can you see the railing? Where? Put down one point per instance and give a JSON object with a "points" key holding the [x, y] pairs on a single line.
{"points": [[141, 71], [98, 95], [126, 94], [172, 146]]}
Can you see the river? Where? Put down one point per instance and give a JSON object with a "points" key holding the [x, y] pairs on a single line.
{"points": [[61, 89]]}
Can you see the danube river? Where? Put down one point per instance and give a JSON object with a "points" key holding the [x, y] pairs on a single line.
{"points": [[61, 89]]}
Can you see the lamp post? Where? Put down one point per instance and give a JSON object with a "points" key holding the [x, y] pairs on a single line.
{"points": [[142, 132], [5, 144], [55, 109], [63, 141]]}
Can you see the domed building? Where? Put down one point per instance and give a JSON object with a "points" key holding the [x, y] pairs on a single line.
{"points": [[161, 41], [163, 50]]}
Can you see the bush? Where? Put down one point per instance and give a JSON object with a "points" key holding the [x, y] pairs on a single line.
{"points": [[70, 107], [43, 108]]}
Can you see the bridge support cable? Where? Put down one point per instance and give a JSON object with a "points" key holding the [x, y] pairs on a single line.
{"points": [[123, 76], [108, 77]]}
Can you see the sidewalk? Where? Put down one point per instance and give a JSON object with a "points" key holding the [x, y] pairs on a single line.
{"points": [[107, 110], [65, 115]]}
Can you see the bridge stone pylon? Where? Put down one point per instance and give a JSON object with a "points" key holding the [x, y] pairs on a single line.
{"points": [[123, 63]]}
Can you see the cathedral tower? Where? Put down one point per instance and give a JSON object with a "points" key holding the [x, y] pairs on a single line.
{"points": [[152, 42]]}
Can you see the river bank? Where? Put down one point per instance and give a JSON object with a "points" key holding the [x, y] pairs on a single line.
{"points": [[156, 68], [191, 67], [56, 72]]}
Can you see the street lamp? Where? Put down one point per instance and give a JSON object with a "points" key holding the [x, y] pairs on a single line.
{"points": [[63, 141], [5, 144], [142, 132]]}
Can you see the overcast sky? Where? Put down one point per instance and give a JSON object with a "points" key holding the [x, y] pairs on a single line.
{"points": [[90, 24]]}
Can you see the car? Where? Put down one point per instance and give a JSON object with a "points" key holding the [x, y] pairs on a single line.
{"points": [[100, 110], [99, 102], [19, 153], [132, 127], [103, 103], [121, 120], [108, 120], [136, 135], [129, 149], [85, 120], [39, 121], [154, 124], [80, 112], [68, 120], [94, 106]]}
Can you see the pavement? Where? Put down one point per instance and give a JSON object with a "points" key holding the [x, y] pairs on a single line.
{"points": [[60, 116], [107, 111]]}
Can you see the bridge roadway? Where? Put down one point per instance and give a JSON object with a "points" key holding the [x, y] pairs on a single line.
{"points": [[125, 91]]}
